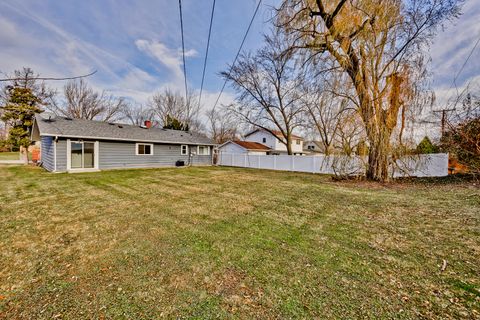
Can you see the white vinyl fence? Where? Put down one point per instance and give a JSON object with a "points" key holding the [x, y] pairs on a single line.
{"points": [[425, 165]]}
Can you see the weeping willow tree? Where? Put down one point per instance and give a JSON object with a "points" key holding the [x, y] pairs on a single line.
{"points": [[379, 44]]}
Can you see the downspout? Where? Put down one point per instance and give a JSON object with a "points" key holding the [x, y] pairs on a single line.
{"points": [[55, 154]]}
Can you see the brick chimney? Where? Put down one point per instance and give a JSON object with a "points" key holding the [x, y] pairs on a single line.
{"points": [[148, 124]]}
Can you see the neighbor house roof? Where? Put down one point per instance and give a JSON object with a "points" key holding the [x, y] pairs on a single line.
{"points": [[49, 125], [318, 144], [251, 145], [275, 132]]}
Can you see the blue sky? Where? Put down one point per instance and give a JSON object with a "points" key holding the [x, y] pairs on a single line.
{"points": [[135, 45]]}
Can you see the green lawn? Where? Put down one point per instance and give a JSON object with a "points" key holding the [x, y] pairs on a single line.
{"points": [[234, 243], [9, 156]]}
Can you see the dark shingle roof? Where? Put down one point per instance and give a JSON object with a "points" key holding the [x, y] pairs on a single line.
{"points": [[80, 128]]}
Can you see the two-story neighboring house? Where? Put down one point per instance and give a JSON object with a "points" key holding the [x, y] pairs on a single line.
{"points": [[273, 141], [312, 147]]}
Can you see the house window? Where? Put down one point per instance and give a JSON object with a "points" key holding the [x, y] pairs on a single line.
{"points": [[144, 149], [184, 151], [82, 155], [311, 147], [203, 150], [298, 141], [264, 140]]}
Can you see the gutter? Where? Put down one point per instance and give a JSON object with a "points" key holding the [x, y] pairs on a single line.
{"points": [[129, 140]]}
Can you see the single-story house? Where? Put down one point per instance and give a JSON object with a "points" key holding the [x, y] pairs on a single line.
{"points": [[73, 145], [237, 146]]}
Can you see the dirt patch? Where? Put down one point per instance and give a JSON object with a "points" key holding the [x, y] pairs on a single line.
{"points": [[237, 292]]}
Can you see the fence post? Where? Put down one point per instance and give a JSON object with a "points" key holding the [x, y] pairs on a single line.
{"points": [[313, 164], [274, 162], [258, 161], [292, 166]]}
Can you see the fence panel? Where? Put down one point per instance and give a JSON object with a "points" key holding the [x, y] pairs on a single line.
{"points": [[425, 165]]}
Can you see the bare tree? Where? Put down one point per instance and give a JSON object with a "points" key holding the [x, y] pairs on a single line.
{"points": [[222, 125], [83, 102], [328, 111], [268, 84], [172, 104], [137, 115], [376, 43]]}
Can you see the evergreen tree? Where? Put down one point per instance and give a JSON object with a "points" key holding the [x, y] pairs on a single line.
{"points": [[18, 113], [175, 124], [426, 146]]}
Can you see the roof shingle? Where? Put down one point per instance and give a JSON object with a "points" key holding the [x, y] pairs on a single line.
{"points": [[80, 128], [252, 145]]}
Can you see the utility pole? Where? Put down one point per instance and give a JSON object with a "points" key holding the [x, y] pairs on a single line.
{"points": [[444, 117]]}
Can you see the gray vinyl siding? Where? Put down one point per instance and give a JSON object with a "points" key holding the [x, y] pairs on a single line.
{"points": [[62, 155], [115, 155], [47, 153], [120, 154]]}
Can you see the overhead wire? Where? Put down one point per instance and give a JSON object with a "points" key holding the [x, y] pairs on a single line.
{"points": [[183, 51], [238, 52], [206, 53], [454, 82]]}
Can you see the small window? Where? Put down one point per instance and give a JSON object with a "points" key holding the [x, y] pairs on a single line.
{"points": [[144, 149], [264, 140], [184, 150], [298, 141], [203, 150]]}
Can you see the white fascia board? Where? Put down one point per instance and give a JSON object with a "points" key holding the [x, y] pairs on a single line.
{"points": [[129, 140]]}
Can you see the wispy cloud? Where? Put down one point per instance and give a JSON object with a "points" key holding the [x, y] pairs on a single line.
{"points": [[451, 49], [169, 58]]}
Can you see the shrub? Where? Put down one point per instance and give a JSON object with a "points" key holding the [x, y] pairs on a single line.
{"points": [[426, 146], [463, 142]]}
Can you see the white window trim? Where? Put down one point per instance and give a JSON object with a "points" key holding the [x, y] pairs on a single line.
{"points": [[208, 151], [96, 148], [147, 144], [181, 150]]}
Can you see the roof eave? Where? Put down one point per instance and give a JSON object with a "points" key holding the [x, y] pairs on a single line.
{"points": [[129, 140]]}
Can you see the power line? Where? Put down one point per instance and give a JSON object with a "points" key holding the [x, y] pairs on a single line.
{"points": [[50, 78], [454, 82], [206, 53], [183, 51], [238, 53]]}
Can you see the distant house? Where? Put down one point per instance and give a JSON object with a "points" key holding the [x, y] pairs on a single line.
{"points": [[248, 147], [313, 147], [73, 145], [273, 141]]}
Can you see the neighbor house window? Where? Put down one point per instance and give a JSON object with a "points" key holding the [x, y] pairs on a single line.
{"points": [[264, 140], [184, 150], [203, 150], [298, 141], [144, 149]]}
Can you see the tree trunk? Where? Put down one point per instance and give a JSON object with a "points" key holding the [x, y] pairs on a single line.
{"points": [[378, 154], [24, 154], [289, 145]]}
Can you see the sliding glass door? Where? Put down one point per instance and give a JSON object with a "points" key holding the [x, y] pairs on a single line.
{"points": [[82, 155]]}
